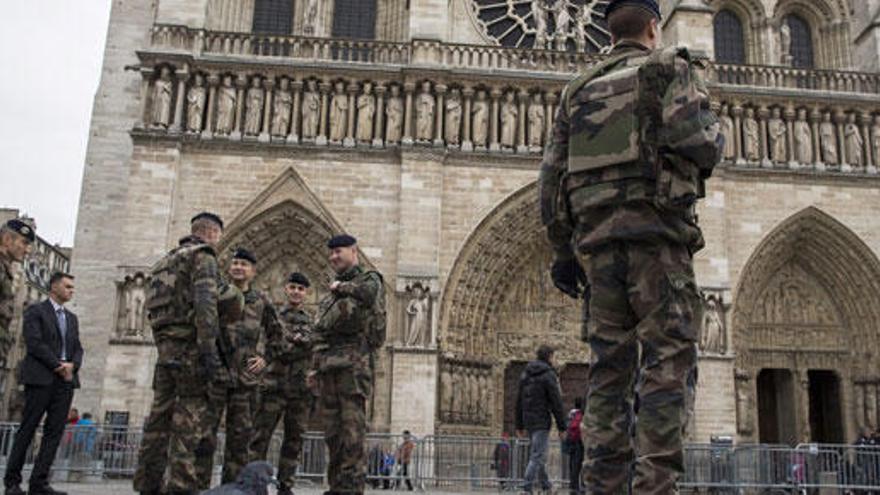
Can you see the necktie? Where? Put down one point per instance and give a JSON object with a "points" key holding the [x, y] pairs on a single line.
{"points": [[62, 326]]}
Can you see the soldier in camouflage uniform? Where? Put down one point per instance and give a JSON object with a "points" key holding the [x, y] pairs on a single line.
{"points": [[632, 143], [16, 240], [350, 328], [284, 392], [234, 388], [182, 302]]}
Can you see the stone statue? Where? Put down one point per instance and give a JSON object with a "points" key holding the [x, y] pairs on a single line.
{"points": [[281, 108], [854, 142], [803, 138], [785, 43], [446, 404], [311, 110], [366, 104], [539, 14], [459, 407], [484, 398], [310, 19], [252, 118], [563, 23], [776, 130], [195, 104], [135, 300], [875, 140], [743, 406], [425, 114], [828, 140], [480, 114], [163, 92], [417, 312], [453, 118], [474, 397], [394, 116], [226, 98], [712, 339], [727, 130], [338, 113], [509, 116], [751, 137], [537, 118]]}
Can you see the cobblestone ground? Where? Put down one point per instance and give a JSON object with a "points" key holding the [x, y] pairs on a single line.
{"points": [[124, 488]]}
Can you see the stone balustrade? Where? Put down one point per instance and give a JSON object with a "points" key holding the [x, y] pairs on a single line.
{"points": [[779, 77]]}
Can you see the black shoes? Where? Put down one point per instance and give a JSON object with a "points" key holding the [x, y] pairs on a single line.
{"points": [[15, 490], [44, 490]]}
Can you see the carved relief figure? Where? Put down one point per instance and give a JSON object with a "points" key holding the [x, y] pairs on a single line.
{"points": [[459, 407], [366, 104], [281, 108], [537, 118], [446, 394], [743, 404], [394, 115], [133, 302], [226, 98], [338, 112], [453, 117], [539, 14], [417, 313], [713, 328], [474, 397], [728, 132], [854, 142], [310, 24], [425, 106], [828, 139], [785, 43], [803, 138], [776, 130], [875, 140], [254, 101], [311, 111], [751, 136], [563, 22], [162, 94], [509, 115], [481, 119], [195, 104]]}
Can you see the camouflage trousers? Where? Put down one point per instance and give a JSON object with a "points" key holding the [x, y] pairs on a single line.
{"points": [[643, 319], [171, 432], [238, 405], [343, 399], [295, 411]]}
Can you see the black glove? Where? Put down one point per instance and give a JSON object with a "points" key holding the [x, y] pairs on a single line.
{"points": [[568, 276], [208, 364]]}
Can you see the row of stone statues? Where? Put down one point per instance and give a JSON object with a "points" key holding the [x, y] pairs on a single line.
{"points": [[801, 137], [352, 113], [464, 394]]}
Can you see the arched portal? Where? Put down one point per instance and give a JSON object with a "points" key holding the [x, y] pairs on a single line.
{"points": [[499, 305], [805, 320]]}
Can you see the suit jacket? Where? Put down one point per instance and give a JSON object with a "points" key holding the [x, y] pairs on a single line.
{"points": [[43, 344]]}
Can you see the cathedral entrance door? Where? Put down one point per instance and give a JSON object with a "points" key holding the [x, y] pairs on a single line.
{"points": [[573, 381], [776, 412], [511, 389], [826, 420]]}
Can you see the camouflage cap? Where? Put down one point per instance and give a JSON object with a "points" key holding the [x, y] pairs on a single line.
{"points": [[22, 228], [342, 240], [244, 254], [298, 278], [649, 5], [206, 215]]}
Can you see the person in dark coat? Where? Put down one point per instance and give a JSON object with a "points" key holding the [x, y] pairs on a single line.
{"points": [[538, 404]]}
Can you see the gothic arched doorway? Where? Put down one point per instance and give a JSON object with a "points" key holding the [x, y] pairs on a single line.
{"points": [[805, 322]]}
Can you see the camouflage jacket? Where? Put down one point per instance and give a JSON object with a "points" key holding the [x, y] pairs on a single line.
{"points": [[7, 302], [247, 337], [290, 350], [340, 338], [651, 196]]}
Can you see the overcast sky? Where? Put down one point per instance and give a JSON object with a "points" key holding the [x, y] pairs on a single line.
{"points": [[51, 53]]}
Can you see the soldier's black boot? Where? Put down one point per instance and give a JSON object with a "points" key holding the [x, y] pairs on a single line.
{"points": [[284, 490]]}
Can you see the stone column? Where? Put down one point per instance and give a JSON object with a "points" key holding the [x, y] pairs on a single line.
{"points": [[865, 120], [296, 88], [802, 406], [551, 99], [379, 129], [737, 111], [840, 123], [815, 118], [871, 405], [521, 146], [763, 114], [349, 141], [179, 124], [240, 84], [322, 130], [790, 114], [440, 114], [494, 145], [146, 76], [269, 84], [408, 89], [213, 81], [466, 143]]}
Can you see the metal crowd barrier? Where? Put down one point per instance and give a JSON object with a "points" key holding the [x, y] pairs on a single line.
{"points": [[96, 452]]}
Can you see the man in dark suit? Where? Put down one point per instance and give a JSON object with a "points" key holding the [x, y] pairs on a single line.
{"points": [[49, 374]]}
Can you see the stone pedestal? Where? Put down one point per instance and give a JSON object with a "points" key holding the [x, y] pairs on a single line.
{"points": [[413, 390], [715, 406]]}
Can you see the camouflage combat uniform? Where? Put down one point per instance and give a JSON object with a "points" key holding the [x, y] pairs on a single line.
{"points": [[234, 389], [346, 335], [632, 143], [284, 393], [7, 311], [183, 311]]}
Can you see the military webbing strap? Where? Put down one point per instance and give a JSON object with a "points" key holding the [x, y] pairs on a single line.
{"points": [[599, 69]]}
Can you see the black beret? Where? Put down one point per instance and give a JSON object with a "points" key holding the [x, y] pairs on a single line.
{"points": [[208, 216], [298, 278], [244, 254], [649, 5], [22, 228], [342, 240]]}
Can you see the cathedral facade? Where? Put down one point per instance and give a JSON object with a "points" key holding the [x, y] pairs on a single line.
{"points": [[418, 127]]}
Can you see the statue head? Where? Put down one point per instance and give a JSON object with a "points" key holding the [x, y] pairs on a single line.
{"points": [[826, 117], [802, 114], [255, 82], [851, 118], [455, 93], [750, 112], [368, 87], [395, 90], [165, 73], [777, 112], [199, 79], [877, 120], [227, 81], [285, 83], [481, 94], [340, 86], [426, 87], [312, 84], [509, 96], [536, 97]]}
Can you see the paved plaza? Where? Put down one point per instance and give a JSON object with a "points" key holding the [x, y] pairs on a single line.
{"points": [[124, 488]]}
